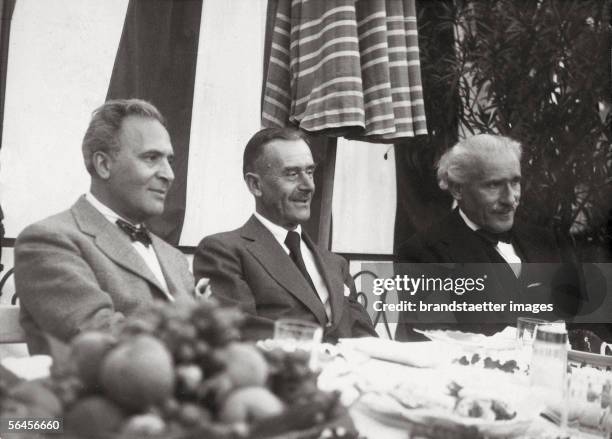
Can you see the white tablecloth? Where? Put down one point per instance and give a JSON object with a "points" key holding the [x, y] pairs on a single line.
{"points": [[341, 373]]}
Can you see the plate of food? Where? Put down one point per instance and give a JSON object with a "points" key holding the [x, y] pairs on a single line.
{"points": [[451, 415], [454, 404]]}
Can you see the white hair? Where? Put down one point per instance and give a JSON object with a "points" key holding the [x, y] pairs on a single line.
{"points": [[458, 164]]}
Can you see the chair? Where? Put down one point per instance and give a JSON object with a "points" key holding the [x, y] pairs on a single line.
{"points": [[10, 328], [363, 299]]}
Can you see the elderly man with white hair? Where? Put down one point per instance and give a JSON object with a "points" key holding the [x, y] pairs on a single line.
{"points": [[480, 237]]}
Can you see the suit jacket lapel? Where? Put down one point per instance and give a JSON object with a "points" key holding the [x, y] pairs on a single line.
{"points": [[332, 278], [277, 264], [465, 245], [170, 270], [111, 241]]}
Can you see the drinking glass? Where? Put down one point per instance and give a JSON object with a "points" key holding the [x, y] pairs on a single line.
{"points": [[526, 330], [297, 335], [589, 397]]}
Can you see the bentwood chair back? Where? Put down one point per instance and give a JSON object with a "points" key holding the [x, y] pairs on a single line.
{"points": [[10, 329]]}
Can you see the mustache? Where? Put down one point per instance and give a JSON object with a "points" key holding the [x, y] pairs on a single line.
{"points": [[302, 197], [506, 209]]}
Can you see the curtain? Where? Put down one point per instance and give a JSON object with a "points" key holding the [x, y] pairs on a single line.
{"points": [[156, 61], [226, 113], [345, 67], [419, 200], [6, 12]]}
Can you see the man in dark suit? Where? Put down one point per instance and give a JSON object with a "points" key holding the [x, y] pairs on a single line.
{"points": [[92, 265], [269, 266], [480, 239]]}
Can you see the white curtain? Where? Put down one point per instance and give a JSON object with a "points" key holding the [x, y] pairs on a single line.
{"points": [[226, 113], [61, 56], [364, 203]]}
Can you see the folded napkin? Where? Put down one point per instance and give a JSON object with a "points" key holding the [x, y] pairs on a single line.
{"points": [[504, 340], [416, 354]]}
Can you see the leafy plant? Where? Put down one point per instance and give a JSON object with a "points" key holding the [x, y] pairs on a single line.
{"points": [[538, 72]]}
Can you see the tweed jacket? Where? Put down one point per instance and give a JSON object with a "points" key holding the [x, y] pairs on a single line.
{"points": [[76, 270]]}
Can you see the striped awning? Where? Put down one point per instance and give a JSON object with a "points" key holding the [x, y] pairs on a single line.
{"points": [[347, 68]]}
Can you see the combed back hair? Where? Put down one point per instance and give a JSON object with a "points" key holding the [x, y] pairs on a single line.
{"points": [[255, 145], [458, 164], [103, 131]]}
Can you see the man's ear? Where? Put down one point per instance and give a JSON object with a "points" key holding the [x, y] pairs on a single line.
{"points": [[455, 190], [102, 164], [253, 182]]}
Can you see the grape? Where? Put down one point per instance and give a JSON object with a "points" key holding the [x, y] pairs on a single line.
{"points": [[290, 376], [202, 349], [188, 332], [191, 414], [185, 353], [189, 378], [170, 408], [68, 389]]}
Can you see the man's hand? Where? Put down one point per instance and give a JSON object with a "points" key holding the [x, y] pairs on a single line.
{"points": [[203, 289]]}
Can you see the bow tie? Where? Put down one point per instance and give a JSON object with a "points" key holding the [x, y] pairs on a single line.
{"points": [[494, 238], [135, 233]]}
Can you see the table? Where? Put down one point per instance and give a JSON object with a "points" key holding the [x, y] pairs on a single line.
{"points": [[339, 374], [386, 372]]}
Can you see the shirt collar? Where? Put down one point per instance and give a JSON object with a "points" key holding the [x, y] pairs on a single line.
{"points": [[280, 233], [106, 211], [468, 222]]}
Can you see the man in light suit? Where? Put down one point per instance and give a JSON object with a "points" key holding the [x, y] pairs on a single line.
{"points": [[92, 265], [481, 239], [269, 266]]}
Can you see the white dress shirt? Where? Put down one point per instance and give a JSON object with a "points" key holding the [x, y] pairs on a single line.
{"points": [[505, 249], [280, 234], [147, 253]]}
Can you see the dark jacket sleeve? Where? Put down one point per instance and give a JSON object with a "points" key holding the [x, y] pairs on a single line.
{"points": [[217, 259]]}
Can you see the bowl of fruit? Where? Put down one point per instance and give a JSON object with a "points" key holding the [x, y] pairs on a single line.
{"points": [[179, 373]]}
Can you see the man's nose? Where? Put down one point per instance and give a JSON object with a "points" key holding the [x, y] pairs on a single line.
{"points": [[510, 194], [307, 182], [165, 171]]}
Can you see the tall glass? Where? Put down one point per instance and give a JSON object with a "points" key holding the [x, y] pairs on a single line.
{"points": [[526, 330], [590, 395], [525, 334], [548, 368]]}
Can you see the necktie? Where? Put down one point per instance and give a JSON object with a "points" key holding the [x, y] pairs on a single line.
{"points": [[494, 238], [292, 241], [135, 233]]}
